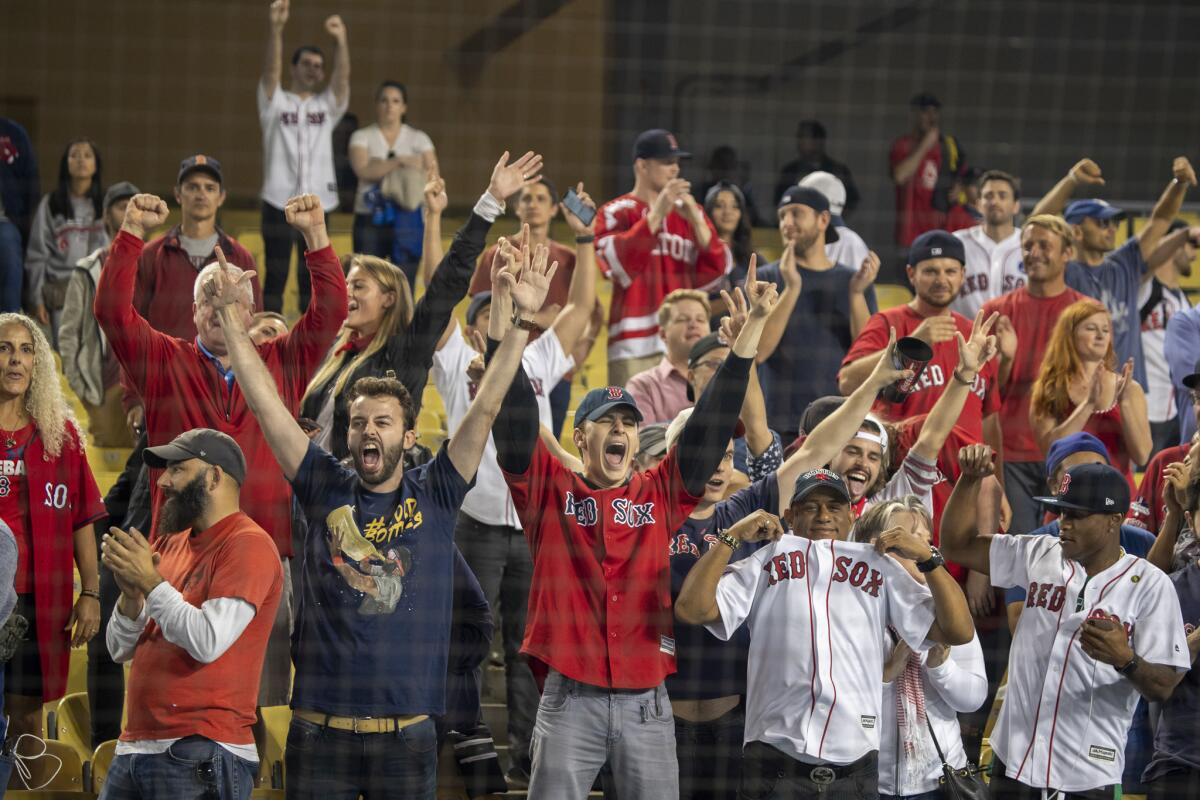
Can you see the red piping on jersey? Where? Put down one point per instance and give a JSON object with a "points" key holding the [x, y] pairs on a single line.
{"points": [[829, 635], [1054, 721], [812, 634], [1037, 714]]}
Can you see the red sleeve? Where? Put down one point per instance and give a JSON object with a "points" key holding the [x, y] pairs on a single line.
{"points": [[992, 400], [533, 491], [871, 339], [242, 567], [481, 281], [623, 244], [241, 258], [306, 346], [136, 344], [714, 262], [144, 286], [899, 151], [1144, 510], [88, 505]]}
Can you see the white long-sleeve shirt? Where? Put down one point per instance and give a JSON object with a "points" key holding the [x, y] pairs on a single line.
{"points": [[205, 633], [957, 685]]}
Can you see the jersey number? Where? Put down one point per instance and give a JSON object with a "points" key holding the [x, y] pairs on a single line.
{"points": [[56, 496]]}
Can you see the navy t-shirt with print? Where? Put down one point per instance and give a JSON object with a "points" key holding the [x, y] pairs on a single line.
{"points": [[1176, 746], [373, 618], [706, 667], [1115, 283]]}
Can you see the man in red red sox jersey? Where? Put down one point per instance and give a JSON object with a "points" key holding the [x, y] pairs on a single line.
{"points": [[650, 242], [600, 599], [818, 607]]}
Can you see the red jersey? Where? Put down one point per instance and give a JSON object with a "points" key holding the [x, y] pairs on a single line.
{"points": [[171, 694], [915, 213], [984, 398], [600, 598], [1148, 507], [646, 267], [1033, 319]]}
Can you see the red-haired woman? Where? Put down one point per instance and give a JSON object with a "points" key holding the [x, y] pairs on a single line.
{"points": [[1077, 389]]}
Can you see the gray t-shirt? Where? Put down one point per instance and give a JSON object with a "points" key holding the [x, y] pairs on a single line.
{"points": [[199, 250]]}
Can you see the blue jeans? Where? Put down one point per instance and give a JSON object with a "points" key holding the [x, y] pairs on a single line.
{"points": [[581, 727], [194, 767], [12, 266], [381, 240], [327, 764], [710, 756]]}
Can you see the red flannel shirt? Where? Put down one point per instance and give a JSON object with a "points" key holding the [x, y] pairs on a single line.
{"points": [[183, 390], [600, 599]]}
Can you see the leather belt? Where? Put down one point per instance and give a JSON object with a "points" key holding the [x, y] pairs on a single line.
{"points": [[359, 724]]}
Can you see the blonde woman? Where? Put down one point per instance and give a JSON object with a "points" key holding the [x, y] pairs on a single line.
{"points": [[385, 331], [49, 499], [920, 690]]}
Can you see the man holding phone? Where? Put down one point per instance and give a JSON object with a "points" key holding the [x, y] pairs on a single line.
{"points": [[537, 207]]}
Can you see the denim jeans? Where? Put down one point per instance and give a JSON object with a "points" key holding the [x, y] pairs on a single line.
{"points": [[499, 557], [12, 266], [581, 727], [192, 768], [710, 756], [380, 240], [327, 764]]}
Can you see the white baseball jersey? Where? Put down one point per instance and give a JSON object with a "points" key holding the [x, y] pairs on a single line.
{"points": [[993, 269], [1065, 715], [298, 145], [849, 249], [817, 612]]}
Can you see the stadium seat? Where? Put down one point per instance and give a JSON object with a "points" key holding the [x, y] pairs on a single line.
{"points": [[69, 776], [277, 719], [73, 724], [890, 295], [101, 761]]}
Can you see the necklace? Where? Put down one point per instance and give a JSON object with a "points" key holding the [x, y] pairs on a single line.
{"points": [[10, 437]]}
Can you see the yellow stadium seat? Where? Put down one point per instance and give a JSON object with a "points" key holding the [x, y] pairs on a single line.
{"points": [[267, 794], [890, 295], [73, 724], [58, 756], [101, 761], [277, 719]]}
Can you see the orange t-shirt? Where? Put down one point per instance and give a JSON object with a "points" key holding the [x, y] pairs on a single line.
{"points": [[171, 695]]}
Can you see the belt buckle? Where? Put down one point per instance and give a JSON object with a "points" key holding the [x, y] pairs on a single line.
{"points": [[822, 776], [354, 726]]}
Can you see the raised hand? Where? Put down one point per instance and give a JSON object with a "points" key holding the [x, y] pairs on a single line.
{"points": [[1087, 172], [509, 259], [304, 213], [903, 542], [1123, 381], [763, 295], [671, 197], [735, 320], [690, 209], [508, 179], [867, 272], [1175, 483], [222, 288], [885, 372], [436, 198], [335, 27], [529, 292], [1181, 170], [278, 14], [937, 329], [1006, 338], [758, 526], [144, 212], [788, 270], [975, 352], [976, 461], [575, 222]]}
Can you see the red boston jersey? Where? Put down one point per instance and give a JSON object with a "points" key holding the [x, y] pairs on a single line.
{"points": [[1149, 508], [984, 398], [600, 599], [915, 213]]}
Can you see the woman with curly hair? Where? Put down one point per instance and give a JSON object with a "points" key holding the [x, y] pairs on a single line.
{"points": [[49, 499], [1077, 389]]}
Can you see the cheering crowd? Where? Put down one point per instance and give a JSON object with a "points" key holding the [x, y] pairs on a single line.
{"points": [[800, 546]]}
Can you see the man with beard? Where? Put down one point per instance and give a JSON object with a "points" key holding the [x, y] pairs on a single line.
{"points": [[813, 696], [373, 623], [834, 303], [1114, 275], [935, 270], [992, 248], [195, 612], [599, 623], [1160, 299]]}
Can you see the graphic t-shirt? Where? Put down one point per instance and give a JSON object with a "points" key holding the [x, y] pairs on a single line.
{"points": [[1115, 283], [375, 603], [14, 501]]}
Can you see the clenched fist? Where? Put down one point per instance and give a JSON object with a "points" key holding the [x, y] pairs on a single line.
{"points": [[143, 213]]}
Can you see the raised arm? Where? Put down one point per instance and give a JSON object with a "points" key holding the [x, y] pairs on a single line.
{"points": [[283, 434], [432, 251], [860, 284], [951, 617], [516, 427], [777, 323], [697, 601], [339, 80], [273, 59], [1175, 490], [521, 285], [1165, 210], [961, 541], [572, 321], [1085, 173], [903, 171], [1169, 245]]}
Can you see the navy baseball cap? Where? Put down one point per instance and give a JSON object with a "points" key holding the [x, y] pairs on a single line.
{"points": [[121, 190], [1081, 442], [598, 402], [200, 163], [478, 302], [658, 143], [808, 196], [936, 244], [1094, 488], [815, 479], [1079, 210]]}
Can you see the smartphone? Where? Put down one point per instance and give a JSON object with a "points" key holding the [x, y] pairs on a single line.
{"points": [[585, 213]]}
